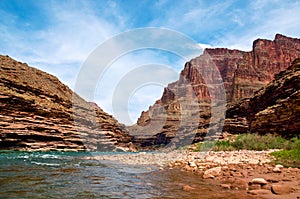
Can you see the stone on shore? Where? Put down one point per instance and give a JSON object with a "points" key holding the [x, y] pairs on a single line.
{"points": [[259, 192], [192, 164], [207, 176], [260, 181], [187, 188], [213, 172], [240, 184], [277, 168], [226, 186], [254, 186], [281, 189]]}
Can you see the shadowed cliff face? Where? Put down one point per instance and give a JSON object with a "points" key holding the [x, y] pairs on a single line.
{"points": [[242, 73], [275, 108], [36, 113]]}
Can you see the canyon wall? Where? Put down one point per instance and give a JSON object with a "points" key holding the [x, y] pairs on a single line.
{"points": [[37, 112], [242, 74], [275, 108]]}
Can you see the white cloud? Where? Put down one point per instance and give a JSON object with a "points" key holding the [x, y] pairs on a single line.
{"points": [[130, 71], [229, 23], [264, 23], [194, 18], [62, 47], [142, 98], [205, 46], [118, 62]]}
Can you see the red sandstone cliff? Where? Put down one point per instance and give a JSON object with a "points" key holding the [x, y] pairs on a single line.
{"points": [[242, 73]]}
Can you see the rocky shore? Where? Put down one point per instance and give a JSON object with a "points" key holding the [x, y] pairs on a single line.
{"points": [[250, 171]]}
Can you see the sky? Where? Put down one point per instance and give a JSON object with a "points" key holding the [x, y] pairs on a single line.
{"points": [[58, 36]]}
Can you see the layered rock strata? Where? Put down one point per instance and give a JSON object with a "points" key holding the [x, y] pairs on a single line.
{"points": [[275, 108], [242, 74], [37, 113]]}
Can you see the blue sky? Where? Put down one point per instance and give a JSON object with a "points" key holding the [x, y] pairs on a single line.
{"points": [[57, 36]]}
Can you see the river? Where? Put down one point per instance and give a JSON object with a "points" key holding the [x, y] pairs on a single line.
{"points": [[75, 175]]}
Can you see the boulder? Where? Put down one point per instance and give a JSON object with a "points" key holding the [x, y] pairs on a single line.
{"points": [[281, 189], [277, 170], [254, 186], [239, 183], [213, 172], [260, 181]]}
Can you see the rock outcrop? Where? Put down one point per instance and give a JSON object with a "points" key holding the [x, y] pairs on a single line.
{"points": [[37, 112], [274, 108], [242, 74]]}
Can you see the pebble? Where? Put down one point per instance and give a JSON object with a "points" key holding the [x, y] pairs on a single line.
{"points": [[192, 164], [226, 186], [188, 188], [207, 176]]}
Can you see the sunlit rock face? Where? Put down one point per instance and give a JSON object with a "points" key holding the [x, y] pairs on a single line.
{"points": [[38, 112], [242, 73]]}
